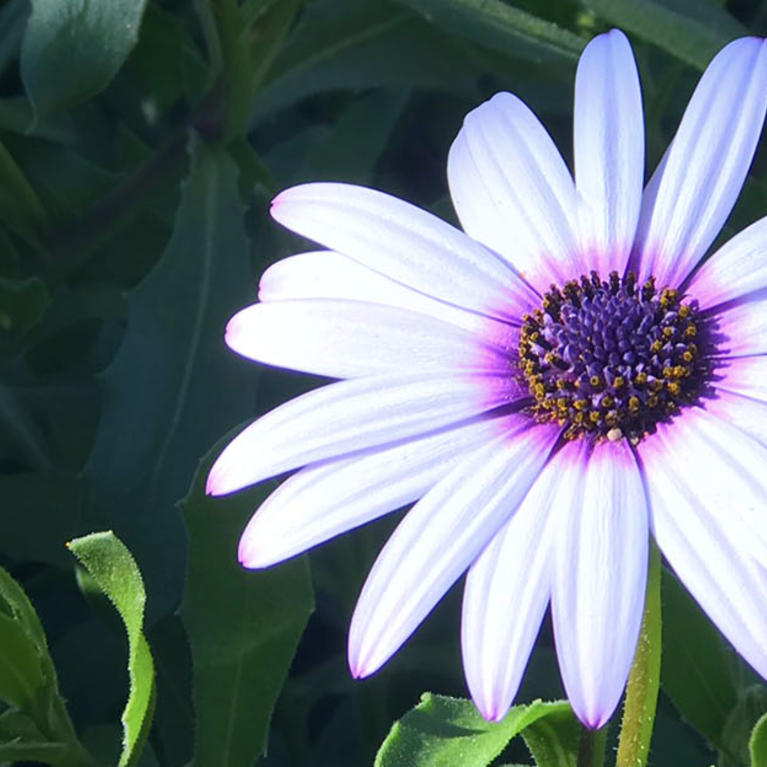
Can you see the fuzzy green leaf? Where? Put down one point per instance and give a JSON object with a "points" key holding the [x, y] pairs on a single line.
{"points": [[111, 565], [445, 731]]}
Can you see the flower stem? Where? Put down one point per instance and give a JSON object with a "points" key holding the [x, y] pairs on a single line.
{"points": [[644, 680], [591, 750]]}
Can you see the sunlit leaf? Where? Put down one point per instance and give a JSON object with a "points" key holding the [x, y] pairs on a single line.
{"points": [[444, 731], [111, 565]]}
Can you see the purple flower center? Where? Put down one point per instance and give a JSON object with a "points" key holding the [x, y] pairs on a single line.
{"points": [[610, 359]]}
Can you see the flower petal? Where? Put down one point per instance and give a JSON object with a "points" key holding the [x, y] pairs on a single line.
{"points": [[353, 415], [746, 376], [748, 415], [513, 192], [696, 184], [438, 539], [742, 328], [715, 469], [507, 591], [405, 243], [326, 499], [737, 269], [326, 274], [600, 575], [347, 339], [709, 553], [608, 149]]}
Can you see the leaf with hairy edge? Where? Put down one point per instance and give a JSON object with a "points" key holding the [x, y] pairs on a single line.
{"points": [[495, 24], [243, 626], [442, 730], [111, 565], [72, 49], [757, 744], [173, 387], [691, 30]]}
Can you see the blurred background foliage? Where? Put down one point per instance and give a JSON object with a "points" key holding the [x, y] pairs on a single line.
{"points": [[140, 143]]}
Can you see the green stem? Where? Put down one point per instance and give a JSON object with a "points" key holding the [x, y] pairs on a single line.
{"points": [[644, 680], [591, 750]]}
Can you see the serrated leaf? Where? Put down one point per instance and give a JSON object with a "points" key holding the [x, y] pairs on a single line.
{"points": [[243, 626], [692, 30], [757, 744], [696, 667], [173, 387], [495, 24], [73, 48], [445, 731], [113, 568]]}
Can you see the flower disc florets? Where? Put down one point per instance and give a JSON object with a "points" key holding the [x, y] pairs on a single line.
{"points": [[612, 358]]}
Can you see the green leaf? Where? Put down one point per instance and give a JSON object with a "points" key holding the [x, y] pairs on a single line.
{"points": [[443, 731], [691, 30], [553, 739], [495, 24], [243, 626], [757, 744], [337, 45], [696, 667], [73, 48], [736, 739], [111, 565], [173, 387]]}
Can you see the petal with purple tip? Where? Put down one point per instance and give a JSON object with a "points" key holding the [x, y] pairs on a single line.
{"points": [[600, 574], [328, 498], [438, 539], [696, 184]]}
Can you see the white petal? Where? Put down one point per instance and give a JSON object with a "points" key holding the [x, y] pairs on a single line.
{"points": [[438, 540], [709, 553], [741, 329], [513, 192], [353, 415], [348, 339], [608, 149], [748, 415], [746, 376], [329, 498], [507, 591], [715, 469], [326, 274], [405, 243], [696, 184], [600, 576], [738, 268]]}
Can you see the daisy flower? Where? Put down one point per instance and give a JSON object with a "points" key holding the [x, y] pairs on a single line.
{"points": [[551, 386]]}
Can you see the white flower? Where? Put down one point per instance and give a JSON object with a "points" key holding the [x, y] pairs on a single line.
{"points": [[546, 421]]}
